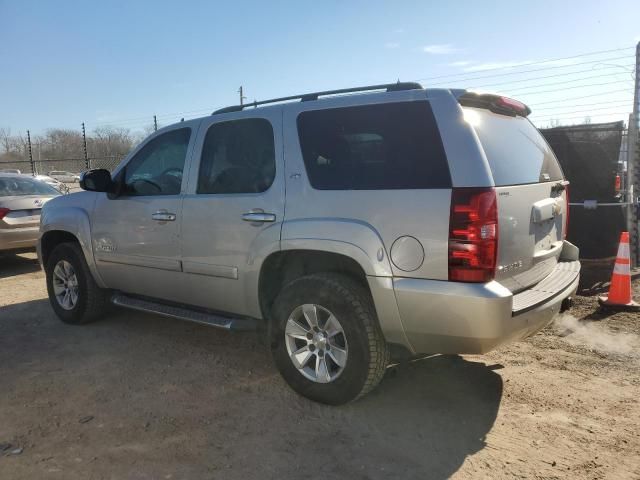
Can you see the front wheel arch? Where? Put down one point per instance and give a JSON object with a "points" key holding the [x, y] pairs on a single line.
{"points": [[51, 239]]}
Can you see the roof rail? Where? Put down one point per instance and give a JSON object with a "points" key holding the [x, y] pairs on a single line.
{"points": [[389, 87]]}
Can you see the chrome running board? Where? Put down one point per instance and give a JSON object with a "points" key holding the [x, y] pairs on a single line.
{"points": [[183, 313]]}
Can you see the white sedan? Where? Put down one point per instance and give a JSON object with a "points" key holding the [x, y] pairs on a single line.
{"points": [[66, 177], [57, 184]]}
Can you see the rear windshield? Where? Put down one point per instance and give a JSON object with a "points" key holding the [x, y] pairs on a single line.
{"points": [[10, 186], [373, 147], [516, 151]]}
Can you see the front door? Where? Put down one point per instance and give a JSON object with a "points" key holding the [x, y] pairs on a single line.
{"points": [[233, 210], [135, 236]]}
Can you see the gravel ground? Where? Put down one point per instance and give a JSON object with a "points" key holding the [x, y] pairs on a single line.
{"points": [[142, 397]]}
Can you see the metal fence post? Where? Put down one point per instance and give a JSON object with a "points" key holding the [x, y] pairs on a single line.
{"points": [[33, 169], [84, 146], [633, 167]]}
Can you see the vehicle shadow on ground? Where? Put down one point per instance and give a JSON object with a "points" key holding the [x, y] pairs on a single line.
{"points": [[432, 413], [13, 265], [221, 391]]}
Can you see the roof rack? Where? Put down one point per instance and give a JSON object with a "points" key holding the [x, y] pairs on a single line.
{"points": [[306, 97]]}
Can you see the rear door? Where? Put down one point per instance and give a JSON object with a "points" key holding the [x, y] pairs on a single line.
{"points": [[531, 193], [233, 209]]}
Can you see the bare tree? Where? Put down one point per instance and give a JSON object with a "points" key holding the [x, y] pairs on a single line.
{"points": [[110, 142], [5, 139]]}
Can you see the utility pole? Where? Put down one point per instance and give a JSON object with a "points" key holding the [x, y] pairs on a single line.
{"points": [[84, 147], [633, 167], [33, 169], [155, 124], [242, 97]]}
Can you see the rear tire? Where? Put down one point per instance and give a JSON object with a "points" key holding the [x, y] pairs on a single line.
{"points": [[360, 343], [67, 272]]}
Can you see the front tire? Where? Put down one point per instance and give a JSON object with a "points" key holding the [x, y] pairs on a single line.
{"points": [[74, 295], [326, 341]]}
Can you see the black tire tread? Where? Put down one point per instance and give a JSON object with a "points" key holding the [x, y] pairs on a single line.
{"points": [[360, 300], [97, 300]]}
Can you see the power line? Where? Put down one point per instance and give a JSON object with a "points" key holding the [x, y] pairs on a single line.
{"points": [[588, 104], [564, 74], [573, 87], [522, 90], [575, 111], [560, 117], [150, 117], [536, 63], [133, 122], [579, 98], [533, 70]]}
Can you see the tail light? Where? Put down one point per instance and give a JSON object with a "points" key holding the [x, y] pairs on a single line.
{"points": [[473, 235], [4, 212], [566, 212], [618, 184]]}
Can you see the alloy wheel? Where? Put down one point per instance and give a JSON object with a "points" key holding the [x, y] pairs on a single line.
{"points": [[316, 343], [65, 285]]}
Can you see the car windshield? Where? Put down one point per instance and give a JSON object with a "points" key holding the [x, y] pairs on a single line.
{"points": [[10, 186]]}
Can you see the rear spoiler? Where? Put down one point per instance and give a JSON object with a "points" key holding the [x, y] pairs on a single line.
{"points": [[494, 103]]}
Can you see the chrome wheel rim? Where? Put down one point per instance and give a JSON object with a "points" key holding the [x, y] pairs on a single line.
{"points": [[316, 343], [65, 285]]}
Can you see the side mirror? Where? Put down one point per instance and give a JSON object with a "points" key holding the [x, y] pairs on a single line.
{"points": [[98, 180]]}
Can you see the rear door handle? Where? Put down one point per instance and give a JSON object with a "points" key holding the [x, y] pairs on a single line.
{"points": [[258, 217], [163, 216]]}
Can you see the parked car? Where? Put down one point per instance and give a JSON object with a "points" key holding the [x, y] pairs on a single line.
{"points": [[10, 170], [65, 177], [21, 200], [61, 187], [344, 228]]}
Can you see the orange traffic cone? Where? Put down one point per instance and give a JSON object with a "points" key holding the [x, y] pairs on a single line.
{"points": [[620, 288]]}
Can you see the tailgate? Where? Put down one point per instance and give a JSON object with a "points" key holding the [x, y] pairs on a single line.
{"points": [[531, 194], [530, 232]]}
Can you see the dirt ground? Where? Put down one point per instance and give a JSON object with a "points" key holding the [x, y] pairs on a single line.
{"points": [[142, 397]]}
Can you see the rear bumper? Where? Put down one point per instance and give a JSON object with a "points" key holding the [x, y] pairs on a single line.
{"points": [[19, 238], [449, 317]]}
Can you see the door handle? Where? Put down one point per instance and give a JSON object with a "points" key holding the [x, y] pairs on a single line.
{"points": [[163, 216], [258, 217]]}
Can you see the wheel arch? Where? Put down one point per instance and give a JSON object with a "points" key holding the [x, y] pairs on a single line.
{"points": [[284, 266], [67, 224]]}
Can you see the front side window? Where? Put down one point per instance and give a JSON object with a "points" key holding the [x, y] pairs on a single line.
{"points": [[157, 168], [373, 147], [238, 157]]}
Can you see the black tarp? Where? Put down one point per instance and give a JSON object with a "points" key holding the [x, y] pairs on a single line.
{"points": [[588, 155]]}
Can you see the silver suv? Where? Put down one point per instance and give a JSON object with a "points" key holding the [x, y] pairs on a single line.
{"points": [[345, 228]]}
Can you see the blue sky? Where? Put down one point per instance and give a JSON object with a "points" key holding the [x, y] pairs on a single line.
{"points": [[121, 62]]}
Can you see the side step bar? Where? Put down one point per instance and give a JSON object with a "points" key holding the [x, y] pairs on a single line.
{"points": [[183, 313]]}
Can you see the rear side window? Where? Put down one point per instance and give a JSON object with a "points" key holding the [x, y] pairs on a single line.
{"points": [[238, 157], [373, 147], [517, 152]]}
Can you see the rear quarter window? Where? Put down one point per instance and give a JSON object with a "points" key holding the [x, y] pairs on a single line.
{"points": [[516, 151], [373, 147]]}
